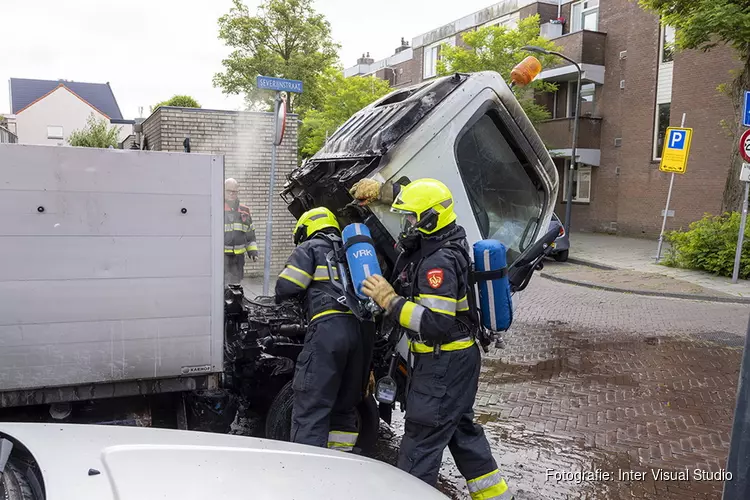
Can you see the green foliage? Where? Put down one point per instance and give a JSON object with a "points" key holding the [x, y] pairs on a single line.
{"points": [[96, 134], [709, 245], [498, 48], [342, 97], [181, 101], [286, 39], [703, 24]]}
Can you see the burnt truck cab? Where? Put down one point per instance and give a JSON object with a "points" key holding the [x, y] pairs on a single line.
{"points": [[466, 130]]}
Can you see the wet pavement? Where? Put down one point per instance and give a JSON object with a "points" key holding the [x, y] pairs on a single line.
{"points": [[597, 392]]}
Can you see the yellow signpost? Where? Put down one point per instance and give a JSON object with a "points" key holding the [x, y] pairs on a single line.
{"points": [[674, 157]]}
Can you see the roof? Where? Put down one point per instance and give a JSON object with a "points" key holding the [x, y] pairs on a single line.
{"points": [[24, 92]]}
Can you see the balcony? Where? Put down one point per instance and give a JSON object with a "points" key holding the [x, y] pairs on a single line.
{"points": [[7, 136], [557, 135], [586, 48]]}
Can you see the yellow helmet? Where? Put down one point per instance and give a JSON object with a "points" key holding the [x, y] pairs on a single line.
{"points": [[429, 201], [313, 221]]}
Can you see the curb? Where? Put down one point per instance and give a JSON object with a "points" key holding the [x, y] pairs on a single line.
{"points": [[684, 296], [588, 263]]}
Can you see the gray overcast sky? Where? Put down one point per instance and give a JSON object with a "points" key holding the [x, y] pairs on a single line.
{"points": [[150, 50]]}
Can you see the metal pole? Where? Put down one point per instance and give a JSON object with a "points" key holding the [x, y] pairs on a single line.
{"points": [[271, 189], [664, 221], [737, 484], [666, 209], [571, 172], [741, 237]]}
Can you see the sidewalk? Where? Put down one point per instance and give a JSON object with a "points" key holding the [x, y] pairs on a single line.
{"points": [[627, 264]]}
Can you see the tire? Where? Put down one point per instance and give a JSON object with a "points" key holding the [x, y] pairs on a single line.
{"points": [[14, 485], [561, 257], [279, 420]]}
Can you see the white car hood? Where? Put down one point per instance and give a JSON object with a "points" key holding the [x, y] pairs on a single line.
{"points": [[143, 464]]}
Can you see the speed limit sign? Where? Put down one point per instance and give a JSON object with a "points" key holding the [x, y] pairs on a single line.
{"points": [[745, 145]]}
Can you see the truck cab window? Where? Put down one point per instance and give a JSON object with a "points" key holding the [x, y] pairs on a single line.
{"points": [[504, 199]]}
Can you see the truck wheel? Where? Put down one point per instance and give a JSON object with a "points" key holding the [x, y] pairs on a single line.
{"points": [[561, 257], [14, 485], [279, 419]]}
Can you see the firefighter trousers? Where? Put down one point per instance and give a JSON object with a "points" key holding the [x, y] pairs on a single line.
{"points": [[439, 414], [328, 383], [234, 268]]}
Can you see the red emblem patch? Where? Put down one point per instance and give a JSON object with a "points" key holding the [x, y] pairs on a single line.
{"points": [[435, 277]]}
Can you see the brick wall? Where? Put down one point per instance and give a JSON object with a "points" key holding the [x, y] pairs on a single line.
{"points": [[244, 138]]}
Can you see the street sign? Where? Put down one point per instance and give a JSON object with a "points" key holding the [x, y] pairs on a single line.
{"points": [[676, 150], [745, 145], [745, 173], [746, 110], [667, 213], [278, 84]]}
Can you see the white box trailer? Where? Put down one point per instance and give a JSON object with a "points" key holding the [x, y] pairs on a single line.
{"points": [[111, 273]]}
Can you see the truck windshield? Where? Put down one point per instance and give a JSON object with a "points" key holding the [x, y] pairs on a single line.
{"points": [[504, 199]]}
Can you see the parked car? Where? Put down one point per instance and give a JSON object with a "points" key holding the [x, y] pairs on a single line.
{"points": [[97, 462], [562, 243]]}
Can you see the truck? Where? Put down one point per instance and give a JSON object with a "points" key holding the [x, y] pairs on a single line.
{"points": [[112, 303]]}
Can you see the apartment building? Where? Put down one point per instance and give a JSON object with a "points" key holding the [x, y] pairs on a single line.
{"points": [[634, 85]]}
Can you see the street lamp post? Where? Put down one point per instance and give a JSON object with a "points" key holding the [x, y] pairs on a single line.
{"points": [[573, 162]]}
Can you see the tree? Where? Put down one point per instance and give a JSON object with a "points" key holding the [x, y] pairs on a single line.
{"points": [[498, 48], [286, 39], [182, 101], [341, 98], [96, 134], [704, 25]]}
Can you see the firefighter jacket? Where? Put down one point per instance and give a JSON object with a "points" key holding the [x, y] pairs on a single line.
{"points": [[432, 283], [306, 272], [239, 232]]}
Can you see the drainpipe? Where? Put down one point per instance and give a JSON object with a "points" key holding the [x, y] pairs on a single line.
{"points": [[559, 8]]}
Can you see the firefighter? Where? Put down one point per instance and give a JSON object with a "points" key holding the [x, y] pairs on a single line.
{"points": [[429, 299], [239, 234], [330, 374]]}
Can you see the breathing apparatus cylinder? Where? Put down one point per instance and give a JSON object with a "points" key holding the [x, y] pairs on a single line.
{"points": [[491, 275], [360, 256]]}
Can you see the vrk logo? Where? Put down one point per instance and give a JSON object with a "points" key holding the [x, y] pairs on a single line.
{"points": [[435, 277]]}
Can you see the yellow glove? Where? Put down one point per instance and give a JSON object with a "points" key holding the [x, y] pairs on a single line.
{"points": [[378, 288], [366, 191]]}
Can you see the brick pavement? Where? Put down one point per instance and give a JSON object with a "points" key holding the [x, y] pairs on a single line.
{"points": [[600, 380]]}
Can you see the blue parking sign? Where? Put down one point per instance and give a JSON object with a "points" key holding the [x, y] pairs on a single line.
{"points": [[676, 139], [746, 110]]}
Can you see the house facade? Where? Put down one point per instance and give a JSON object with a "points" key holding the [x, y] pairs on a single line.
{"points": [[48, 111], [634, 85]]}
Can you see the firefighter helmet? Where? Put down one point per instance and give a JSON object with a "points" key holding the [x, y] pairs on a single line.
{"points": [[313, 221], [427, 205]]}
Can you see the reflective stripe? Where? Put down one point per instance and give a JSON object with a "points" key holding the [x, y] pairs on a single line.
{"points": [[463, 304], [342, 441], [436, 303], [489, 487], [456, 345], [234, 250], [252, 246], [236, 226], [321, 273], [329, 311], [296, 276], [411, 316]]}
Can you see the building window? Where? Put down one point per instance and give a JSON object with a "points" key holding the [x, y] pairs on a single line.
{"points": [[581, 182], [660, 128], [667, 44], [54, 132], [584, 16], [588, 91], [432, 56]]}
